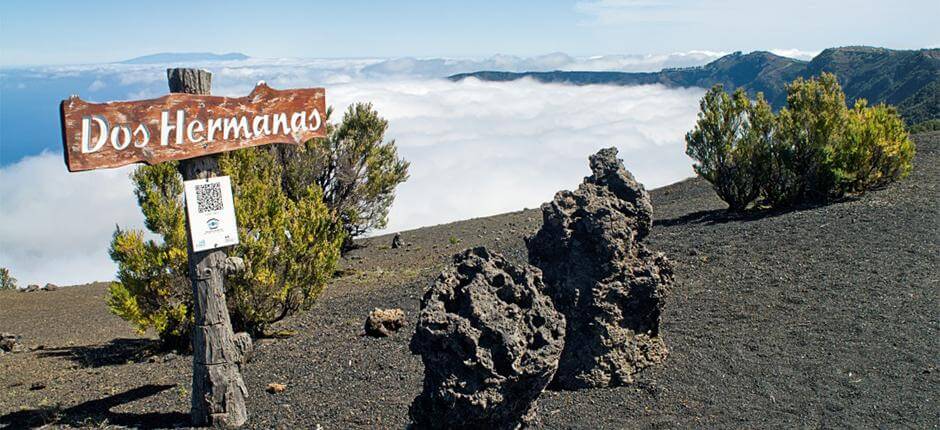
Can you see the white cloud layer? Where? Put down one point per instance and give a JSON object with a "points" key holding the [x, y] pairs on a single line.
{"points": [[476, 148], [55, 226]]}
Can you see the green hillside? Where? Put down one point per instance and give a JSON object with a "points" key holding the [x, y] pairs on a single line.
{"points": [[909, 80]]}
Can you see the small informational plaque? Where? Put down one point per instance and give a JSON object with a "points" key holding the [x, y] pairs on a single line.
{"points": [[211, 213]]}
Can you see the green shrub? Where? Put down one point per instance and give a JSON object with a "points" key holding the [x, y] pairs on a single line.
{"points": [[290, 248], [925, 126], [355, 167], [7, 281], [809, 130], [726, 144], [875, 150], [815, 149], [152, 290], [297, 206]]}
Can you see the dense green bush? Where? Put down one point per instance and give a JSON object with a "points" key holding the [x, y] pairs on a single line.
{"points": [[875, 149], [727, 141], [7, 281], [355, 167], [290, 248], [809, 130], [295, 206], [815, 149]]}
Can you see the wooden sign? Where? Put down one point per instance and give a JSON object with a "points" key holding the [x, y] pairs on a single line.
{"points": [[179, 126]]}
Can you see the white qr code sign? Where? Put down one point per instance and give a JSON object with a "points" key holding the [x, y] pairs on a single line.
{"points": [[211, 213]]}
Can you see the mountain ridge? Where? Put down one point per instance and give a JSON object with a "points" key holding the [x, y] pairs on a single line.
{"points": [[908, 79]]}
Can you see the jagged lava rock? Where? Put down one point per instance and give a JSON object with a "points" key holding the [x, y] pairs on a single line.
{"points": [[607, 284], [490, 341]]}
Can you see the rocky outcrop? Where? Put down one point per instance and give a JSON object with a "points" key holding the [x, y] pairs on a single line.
{"points": [[490, 341], [601, 277], [50, 287], [384, 322]]}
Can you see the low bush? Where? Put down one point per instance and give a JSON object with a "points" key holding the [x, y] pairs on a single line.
{"points": [[290, 248], [357, 169], [296, 206], [875, 149], [925, 126], [814, 150], [726, 144]]}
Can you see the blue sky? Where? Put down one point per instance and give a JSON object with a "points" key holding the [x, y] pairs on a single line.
{"points": [[64, 32]]}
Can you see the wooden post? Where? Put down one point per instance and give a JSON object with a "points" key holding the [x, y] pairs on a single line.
{"points": [[218, 395]]}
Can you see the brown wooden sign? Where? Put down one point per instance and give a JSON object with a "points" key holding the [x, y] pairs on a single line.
{"points": [[179, 126]]}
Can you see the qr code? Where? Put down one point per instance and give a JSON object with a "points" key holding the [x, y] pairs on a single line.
{"points": [[209, 197]]}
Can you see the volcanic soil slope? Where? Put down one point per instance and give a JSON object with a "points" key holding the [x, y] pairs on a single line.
{"points": [[818, 317]]}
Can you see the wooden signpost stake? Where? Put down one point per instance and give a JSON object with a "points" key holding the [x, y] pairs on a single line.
{"points": [[219, 393], [192, 126]]}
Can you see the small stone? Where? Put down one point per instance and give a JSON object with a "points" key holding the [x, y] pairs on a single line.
{"points": [[382, 322], [275, 388], [35, 386], [10, 342]]}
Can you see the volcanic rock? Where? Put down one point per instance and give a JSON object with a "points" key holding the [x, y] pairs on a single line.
{"points": [[382, 322], [490, 341], [610, 288]]}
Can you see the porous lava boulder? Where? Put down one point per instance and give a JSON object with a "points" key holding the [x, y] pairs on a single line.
{"points": [[490, 341], [608, 285]]}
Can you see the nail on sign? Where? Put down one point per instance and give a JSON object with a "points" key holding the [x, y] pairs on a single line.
{"points": [[179, 126]]}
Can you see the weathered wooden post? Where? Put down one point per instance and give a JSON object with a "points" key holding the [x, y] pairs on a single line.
{"points": [[192, 126], [219, 393]]}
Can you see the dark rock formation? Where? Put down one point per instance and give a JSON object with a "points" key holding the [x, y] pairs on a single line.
{"points": [[30, 288], [50, 287], [396, 241], [490, 342], [383, 322], [608, 285], [10, 342]]}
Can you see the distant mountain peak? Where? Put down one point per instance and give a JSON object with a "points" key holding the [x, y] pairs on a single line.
{"points": [[180, 57]]}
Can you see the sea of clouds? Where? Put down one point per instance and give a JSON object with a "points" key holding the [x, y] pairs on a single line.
{"points": [[475, 148]]}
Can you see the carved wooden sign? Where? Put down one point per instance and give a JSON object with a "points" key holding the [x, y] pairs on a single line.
{"points": [[179, 126]]}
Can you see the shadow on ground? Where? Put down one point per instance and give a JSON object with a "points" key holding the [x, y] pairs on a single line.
{"points": [[98, 412], [115, 352], [721, 216]]}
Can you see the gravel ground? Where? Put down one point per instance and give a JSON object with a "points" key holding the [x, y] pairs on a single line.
{"points": [[818, 317]]}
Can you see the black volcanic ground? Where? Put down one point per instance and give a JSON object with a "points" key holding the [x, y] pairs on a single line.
{"points": [[819, 317]]}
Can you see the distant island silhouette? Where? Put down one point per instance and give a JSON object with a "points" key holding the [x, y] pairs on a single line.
{"points": [[178, 57]]}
